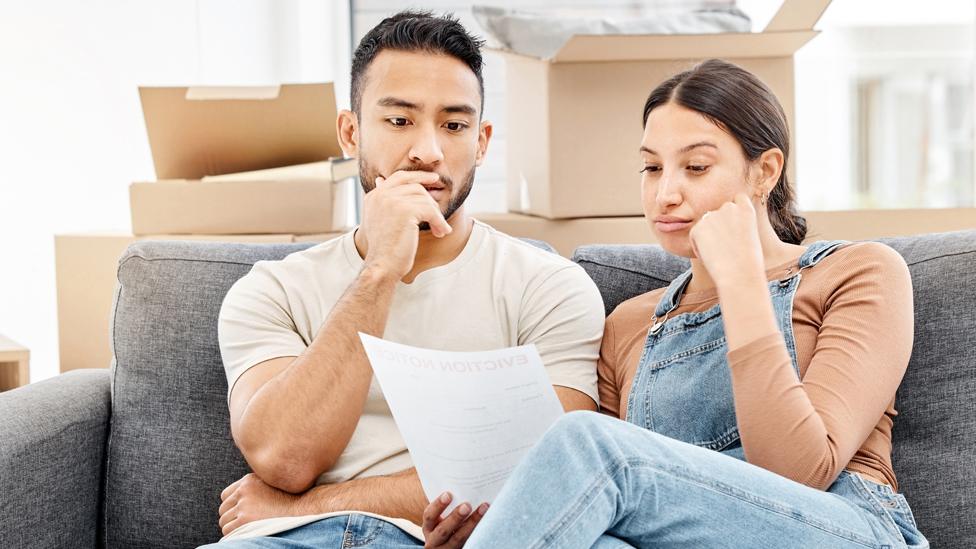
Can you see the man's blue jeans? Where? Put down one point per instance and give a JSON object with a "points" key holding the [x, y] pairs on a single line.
{"points": [[592, 477], [345, 531]]}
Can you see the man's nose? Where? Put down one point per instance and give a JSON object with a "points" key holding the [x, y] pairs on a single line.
{"points": [[426, 149]]}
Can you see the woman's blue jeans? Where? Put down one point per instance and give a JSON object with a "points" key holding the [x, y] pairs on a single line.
{"points": [[597, 481]]}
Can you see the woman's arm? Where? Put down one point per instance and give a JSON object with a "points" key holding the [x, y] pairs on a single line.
{"points": [[608, 370], [808, 431]]}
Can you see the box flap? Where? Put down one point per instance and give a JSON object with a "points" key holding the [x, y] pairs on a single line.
{"points": [[195, 132], [797, 15], [651, 47]]}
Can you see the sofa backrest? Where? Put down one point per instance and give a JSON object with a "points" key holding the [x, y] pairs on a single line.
{"points": [[935, 431], [170, 451]]}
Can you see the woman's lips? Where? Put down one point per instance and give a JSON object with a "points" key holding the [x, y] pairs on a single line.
{"points": [[671, 226]]}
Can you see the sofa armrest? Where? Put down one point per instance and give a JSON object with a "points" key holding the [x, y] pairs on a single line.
{"points": [[52, 450]]}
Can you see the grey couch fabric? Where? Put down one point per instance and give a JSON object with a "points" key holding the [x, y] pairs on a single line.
{"points": [[52, 451], [158, 461], [935, 432], [170, 452]]}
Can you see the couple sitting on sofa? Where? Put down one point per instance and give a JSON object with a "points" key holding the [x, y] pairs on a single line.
{"points": [[748, 404]]}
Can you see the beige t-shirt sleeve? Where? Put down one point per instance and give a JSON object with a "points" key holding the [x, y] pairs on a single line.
{"points": [[255, 324], [563, 317]]}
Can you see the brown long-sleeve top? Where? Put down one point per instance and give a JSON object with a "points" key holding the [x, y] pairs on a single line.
{"points": [[853, 327]]}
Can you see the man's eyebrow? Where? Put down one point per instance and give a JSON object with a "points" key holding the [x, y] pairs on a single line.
{"points": [[685, 148], [397, 102], [460, 109]]}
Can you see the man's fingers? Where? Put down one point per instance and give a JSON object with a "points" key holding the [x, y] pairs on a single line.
{"points": [[227, 516], [449, 525], [432, 514], [439, 226], [462, 534], [230, 489], [427, 210], [227, 504], [230, 527], [396, 179]]}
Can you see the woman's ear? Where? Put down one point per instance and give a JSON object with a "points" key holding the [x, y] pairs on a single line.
{"points": [[769, 166], [347, 129]]}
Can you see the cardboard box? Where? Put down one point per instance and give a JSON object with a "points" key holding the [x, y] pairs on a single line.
{"points": [[565, 235], [574, 132], [568, 234], [871, 224], [86, 266], [198, 133], [14, 364]]}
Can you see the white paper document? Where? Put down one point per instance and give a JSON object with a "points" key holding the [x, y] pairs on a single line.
{"points": [[467, 417]]}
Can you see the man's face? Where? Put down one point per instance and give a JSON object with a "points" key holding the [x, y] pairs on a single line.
{"points": [[421, 111]]}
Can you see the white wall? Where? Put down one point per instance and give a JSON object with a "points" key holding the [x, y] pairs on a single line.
{"points": [[71, 130]]}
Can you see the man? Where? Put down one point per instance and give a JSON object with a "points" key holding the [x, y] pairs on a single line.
{"points": [[330, 466]]}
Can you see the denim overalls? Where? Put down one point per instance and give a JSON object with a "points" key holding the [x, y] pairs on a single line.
{"points": [[683, 388]]}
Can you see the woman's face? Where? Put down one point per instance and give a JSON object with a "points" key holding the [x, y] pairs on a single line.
{"points": [[690, 166]]}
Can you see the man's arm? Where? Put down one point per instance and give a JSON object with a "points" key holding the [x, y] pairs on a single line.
{"points": [[277, 406], [571, 399], [293, 417]]}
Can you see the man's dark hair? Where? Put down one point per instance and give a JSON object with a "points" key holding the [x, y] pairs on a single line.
{"points": [[416, 31]]}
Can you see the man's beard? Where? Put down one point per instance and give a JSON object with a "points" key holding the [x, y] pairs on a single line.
{"points": [[368, 175]]}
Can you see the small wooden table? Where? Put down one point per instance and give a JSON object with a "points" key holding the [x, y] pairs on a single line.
{"points": [[14, 364]]}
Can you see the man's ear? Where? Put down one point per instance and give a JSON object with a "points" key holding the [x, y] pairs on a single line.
{"points": [[484, 136], [768, 166], [347, 128]]}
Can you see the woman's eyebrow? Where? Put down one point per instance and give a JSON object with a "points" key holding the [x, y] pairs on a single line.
{"points": [[685, 148]]}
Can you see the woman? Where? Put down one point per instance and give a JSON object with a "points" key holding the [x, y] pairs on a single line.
{"points": [[758, 388]]}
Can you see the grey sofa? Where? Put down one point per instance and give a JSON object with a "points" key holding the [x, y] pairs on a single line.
{"points": [[136, 456]]}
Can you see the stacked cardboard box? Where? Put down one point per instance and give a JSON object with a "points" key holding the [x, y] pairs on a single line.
{"points": [[234, 165]]}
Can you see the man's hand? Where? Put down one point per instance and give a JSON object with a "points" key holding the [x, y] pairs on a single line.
{"points": [[250, 499], [391, 215], [454, 530]]}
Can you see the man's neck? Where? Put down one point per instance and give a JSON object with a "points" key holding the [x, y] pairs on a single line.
{"points": [[432, 251]]}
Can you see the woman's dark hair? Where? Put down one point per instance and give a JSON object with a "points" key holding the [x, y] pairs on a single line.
{"points": [[734, 99], [416, 31]]}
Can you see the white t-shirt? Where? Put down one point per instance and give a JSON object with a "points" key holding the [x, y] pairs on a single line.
{"points": [[498, 292]]}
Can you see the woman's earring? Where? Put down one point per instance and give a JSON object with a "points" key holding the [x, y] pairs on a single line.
{"points": [[762, 199]]}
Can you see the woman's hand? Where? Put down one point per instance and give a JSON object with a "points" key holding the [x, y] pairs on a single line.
{"points": [[450, 532], [727, 242]]}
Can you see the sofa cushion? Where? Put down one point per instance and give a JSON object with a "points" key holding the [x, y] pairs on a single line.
{"points": [[170, 451], [935, 431]]}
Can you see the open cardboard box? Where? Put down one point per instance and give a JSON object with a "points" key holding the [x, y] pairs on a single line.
{"points": [[199, 134], [575, 118]]}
